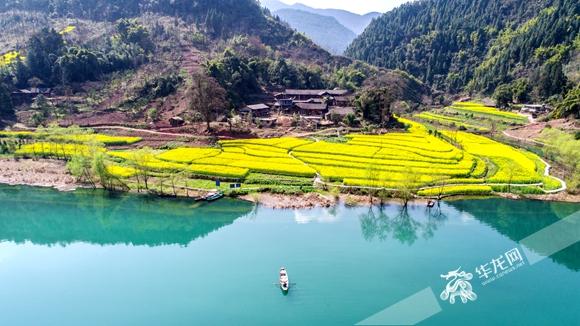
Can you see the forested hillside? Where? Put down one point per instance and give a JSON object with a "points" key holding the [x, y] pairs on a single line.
{"points": [[144, 62], [220, 18], [50, 59], [530, 47]]}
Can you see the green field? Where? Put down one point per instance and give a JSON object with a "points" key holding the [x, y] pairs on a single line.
{"points": [[473, 117], [481, 111], [450, 121], [415, 160]]}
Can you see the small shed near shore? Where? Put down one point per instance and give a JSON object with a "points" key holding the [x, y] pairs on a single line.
{"points": [[24, 96], [266, 122], [256, 110], [535, 108], [176, 122]]}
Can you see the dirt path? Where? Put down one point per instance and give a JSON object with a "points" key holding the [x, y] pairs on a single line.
{"points": [[525, 140], [530, 132], [176, 104], [153, 132]]}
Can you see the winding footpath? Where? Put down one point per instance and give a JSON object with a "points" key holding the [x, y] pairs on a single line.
{"points": [[547, 174]]}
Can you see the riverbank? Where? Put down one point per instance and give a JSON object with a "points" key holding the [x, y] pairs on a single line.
{"points": [[54, 174], [37, 173]]}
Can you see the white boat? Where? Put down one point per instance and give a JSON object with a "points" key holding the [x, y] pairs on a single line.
{"points": [[284, 281]]}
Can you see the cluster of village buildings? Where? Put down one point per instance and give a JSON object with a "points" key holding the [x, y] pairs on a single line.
{"points": [[318, 106], [315, 105]]}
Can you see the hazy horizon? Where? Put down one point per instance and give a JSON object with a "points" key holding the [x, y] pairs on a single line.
{"points": [[362, 7]]}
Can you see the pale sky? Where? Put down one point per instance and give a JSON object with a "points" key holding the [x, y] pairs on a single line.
{"points": [[360, 6]]}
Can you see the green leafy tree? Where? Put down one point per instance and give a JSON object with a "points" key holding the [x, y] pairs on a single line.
{"points": [[520, 90], [375, 105], [6, 105], [99, 170], [80, 167], [235, 74], [41, 105], [78, 64], [21, 74], [570, 105], [42, 51], [503, 96], [131, 31], [350, 120], [140, 160]]}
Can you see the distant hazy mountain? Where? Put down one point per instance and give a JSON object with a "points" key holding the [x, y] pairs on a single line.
{"points": [[355, 22], [325, 31], [333, 29], [274, 5]]}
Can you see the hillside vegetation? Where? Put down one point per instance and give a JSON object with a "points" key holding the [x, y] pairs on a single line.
{"points": [[141, 64], [476, 46]]}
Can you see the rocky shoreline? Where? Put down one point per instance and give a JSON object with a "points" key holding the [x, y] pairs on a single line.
{"points": [[41, 173]]}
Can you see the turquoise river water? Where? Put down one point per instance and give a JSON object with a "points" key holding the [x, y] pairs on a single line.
{"points": [[92, 258]]}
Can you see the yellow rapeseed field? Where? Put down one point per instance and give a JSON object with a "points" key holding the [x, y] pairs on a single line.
{"points": [[432, 165], [486, 111], [72, 138]]}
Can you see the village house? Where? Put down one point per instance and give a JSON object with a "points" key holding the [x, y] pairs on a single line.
{"points": [[176, 121], [343, 101], [25, 96], [256, 110], [337, 114], [266, 122], [535, 109], [308, 94], [283, 103], [311, 109]]}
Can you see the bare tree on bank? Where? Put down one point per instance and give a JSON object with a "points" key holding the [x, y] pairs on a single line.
{"points": [[407, 187], [141, 160], [206, 97]]}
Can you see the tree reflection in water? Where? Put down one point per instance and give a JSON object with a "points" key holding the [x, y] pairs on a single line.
{"points": [[400, 222], [49, 217]]}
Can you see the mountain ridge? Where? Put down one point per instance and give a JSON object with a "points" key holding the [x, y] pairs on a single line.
{"points": [[332, 29], [355, 22], [325, 31]]}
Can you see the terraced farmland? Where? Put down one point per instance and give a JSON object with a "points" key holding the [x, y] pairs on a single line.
{"points": [[480, 110], [428, 165], [474, 117], [71, 138], [449, 121]]}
